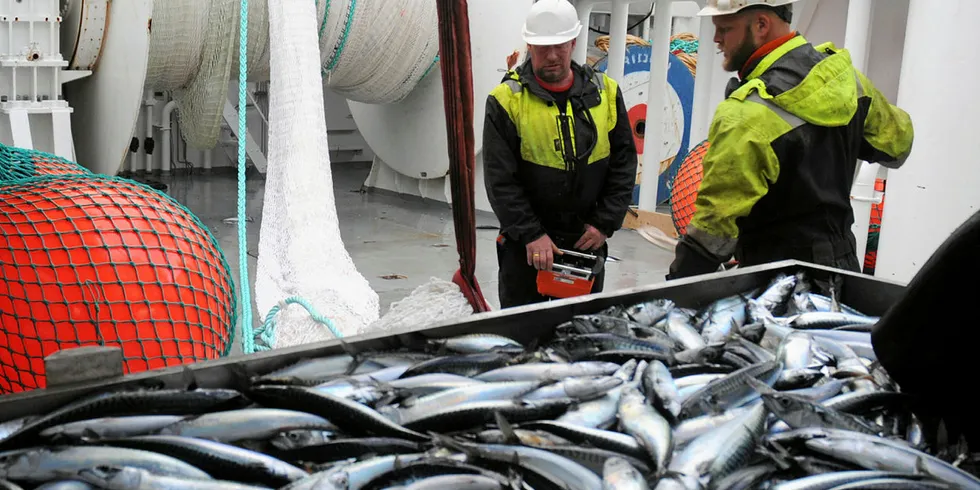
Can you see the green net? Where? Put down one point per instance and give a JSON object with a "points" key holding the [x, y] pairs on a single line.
{"points": [[89, 259], [684, 45]]}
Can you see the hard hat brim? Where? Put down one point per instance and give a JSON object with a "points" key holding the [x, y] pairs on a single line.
{"points": [[714, 11], [710, 11], [549, 40]]}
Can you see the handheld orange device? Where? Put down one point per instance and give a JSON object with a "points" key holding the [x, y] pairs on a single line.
{"points": [[572, 274]]}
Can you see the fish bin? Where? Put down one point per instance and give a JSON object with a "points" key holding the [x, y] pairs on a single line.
{"points": [[762, 377]]}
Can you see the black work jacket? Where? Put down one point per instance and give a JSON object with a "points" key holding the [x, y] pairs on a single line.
{"points": [[553, 169]]}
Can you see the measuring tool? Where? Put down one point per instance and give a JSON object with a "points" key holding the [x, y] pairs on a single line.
{"points": [[572, 274]]}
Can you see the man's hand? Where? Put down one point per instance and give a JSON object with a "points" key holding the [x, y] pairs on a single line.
{"points": [[592, 239], [541, 253]]}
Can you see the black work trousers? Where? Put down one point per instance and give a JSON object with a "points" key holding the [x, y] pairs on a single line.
{"points": [[517, 281]]}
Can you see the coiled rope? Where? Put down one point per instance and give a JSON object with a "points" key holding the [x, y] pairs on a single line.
{"points": [[683, 45]]}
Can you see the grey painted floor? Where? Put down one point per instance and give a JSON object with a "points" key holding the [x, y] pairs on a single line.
{"points": [[380, 229]]}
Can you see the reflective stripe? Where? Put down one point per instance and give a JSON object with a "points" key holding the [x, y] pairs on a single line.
{"points": [[792, 120], [539, 123]]}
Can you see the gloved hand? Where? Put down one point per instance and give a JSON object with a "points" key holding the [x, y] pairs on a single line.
{"points": [[541, 253]]}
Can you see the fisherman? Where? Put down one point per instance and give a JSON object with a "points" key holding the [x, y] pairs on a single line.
{"points": [[784, 146], [560, 160]]}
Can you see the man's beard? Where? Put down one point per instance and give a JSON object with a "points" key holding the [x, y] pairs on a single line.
{"points": [[552, 77], [739, 58]]}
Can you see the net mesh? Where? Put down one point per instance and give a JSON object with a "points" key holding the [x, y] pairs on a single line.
{"points": [[301, 252], [17, 163], [684, 187], [201, 100], [176, 42], [95, 260]]}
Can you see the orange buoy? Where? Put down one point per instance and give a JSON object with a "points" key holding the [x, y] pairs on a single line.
{"points": [[90, 260], [684, 192]]}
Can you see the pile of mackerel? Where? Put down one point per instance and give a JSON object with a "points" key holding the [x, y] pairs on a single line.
{"points": [[776, 388]]}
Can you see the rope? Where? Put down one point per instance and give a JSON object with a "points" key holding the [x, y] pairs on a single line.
{"points": [[248, 339], [683, 45], [267, 332]]}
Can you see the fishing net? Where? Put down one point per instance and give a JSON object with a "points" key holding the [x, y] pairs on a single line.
{"points": [[94, 260], [17, 163], [301, 251], [684, 188]]}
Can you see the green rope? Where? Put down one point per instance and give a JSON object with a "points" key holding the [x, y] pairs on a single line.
{"points": [[343, 39], [248, 339], [326, 12], [267, 332], [689, 47], [429, 69]]}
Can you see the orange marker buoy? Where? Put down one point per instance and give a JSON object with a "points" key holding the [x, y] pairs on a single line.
{"points": [[684, 192], [89, 260]]}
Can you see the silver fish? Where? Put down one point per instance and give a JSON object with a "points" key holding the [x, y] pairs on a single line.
{"points": [[111, 427], [651, 312], [477, 342], [43, 464], [128, 478], [460, 482], [354, 475], [723, 450], [492, 391], [649, 427], [775, 297], [679, 327], [246, 424], [659, 386], [828, 481], [548, 371], [619, 474], [601, 412], [578, 388]]}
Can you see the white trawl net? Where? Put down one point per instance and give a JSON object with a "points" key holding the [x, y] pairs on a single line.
{"points": [[258, 42], [200, 103], [435, 301], [300, 248], [176, 39]]}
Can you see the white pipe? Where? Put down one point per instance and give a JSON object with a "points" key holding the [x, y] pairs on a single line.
{"points": [[165, 149], [618, 23], [584, 9], [856, 41], [646, 28], [653, 134], [703, 111], [149, 134]]}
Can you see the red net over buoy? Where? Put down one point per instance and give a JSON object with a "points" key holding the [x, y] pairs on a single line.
{"points": [[94, 260], [684, 191]]}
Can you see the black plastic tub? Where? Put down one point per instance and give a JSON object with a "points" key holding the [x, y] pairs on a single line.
{"points": [[868, 294]]}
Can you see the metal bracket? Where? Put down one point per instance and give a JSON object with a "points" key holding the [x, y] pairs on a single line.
{"points": [[83, 364]]}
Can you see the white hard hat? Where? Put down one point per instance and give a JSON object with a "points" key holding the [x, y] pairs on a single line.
{"points": [[726, 7], [551, 22]]}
